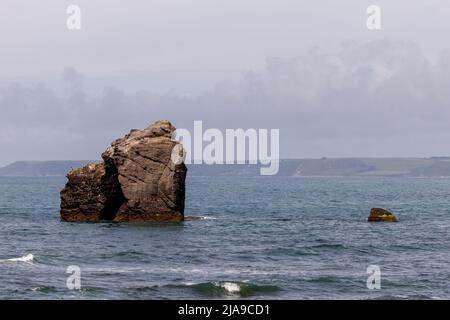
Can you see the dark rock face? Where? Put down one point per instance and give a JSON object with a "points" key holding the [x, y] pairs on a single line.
{"points": [[381, 215], [82, 199], [137, 181]]}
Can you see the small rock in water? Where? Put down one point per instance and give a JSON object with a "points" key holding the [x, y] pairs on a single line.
{"points": [[381, 215]]}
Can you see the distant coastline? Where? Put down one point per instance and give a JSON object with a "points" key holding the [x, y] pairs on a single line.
{"points": [[323, 167]]}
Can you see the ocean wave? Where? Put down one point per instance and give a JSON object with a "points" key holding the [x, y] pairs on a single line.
{"points": [[190, 218], [406, 297], [228, 288], [331, 246], [52, 289], [26, 258], [317, 249], [45, 289], [327, 279]]}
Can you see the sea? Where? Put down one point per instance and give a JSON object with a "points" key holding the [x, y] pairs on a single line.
{"points": [[258, 238]]}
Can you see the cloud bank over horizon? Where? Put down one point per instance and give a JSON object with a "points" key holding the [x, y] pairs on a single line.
{"points": [[377, 98]]}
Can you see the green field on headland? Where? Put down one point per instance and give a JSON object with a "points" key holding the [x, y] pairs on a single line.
{"points": [[396, 167]]}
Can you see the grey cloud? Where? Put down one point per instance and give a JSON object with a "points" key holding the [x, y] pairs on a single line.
{"points": [[380, 98]]}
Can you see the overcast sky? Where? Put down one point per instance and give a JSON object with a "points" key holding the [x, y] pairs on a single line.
{"points": [[310, 68]]}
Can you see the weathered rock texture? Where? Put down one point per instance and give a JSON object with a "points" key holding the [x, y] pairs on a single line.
{"points": [[137, 181], [381, 215]]}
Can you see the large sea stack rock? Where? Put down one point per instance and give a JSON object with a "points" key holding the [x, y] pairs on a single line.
{"points": [[381, 215], [137, 181]]}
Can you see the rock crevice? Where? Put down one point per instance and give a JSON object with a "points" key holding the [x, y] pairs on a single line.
{"points": [[113, 193]]}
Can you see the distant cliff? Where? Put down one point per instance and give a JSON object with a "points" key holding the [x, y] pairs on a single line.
{"points": [[386, 167], [41, 168], [338, 167]]}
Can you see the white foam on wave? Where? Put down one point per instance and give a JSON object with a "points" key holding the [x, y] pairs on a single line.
{"points": [[191, 218], [27, 258], [230, 287]]}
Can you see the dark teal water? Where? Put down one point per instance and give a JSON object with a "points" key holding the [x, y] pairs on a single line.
{"points": [[272, 238]]}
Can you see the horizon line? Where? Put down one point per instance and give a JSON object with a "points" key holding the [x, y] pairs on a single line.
{"points": [[281, 159]]}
